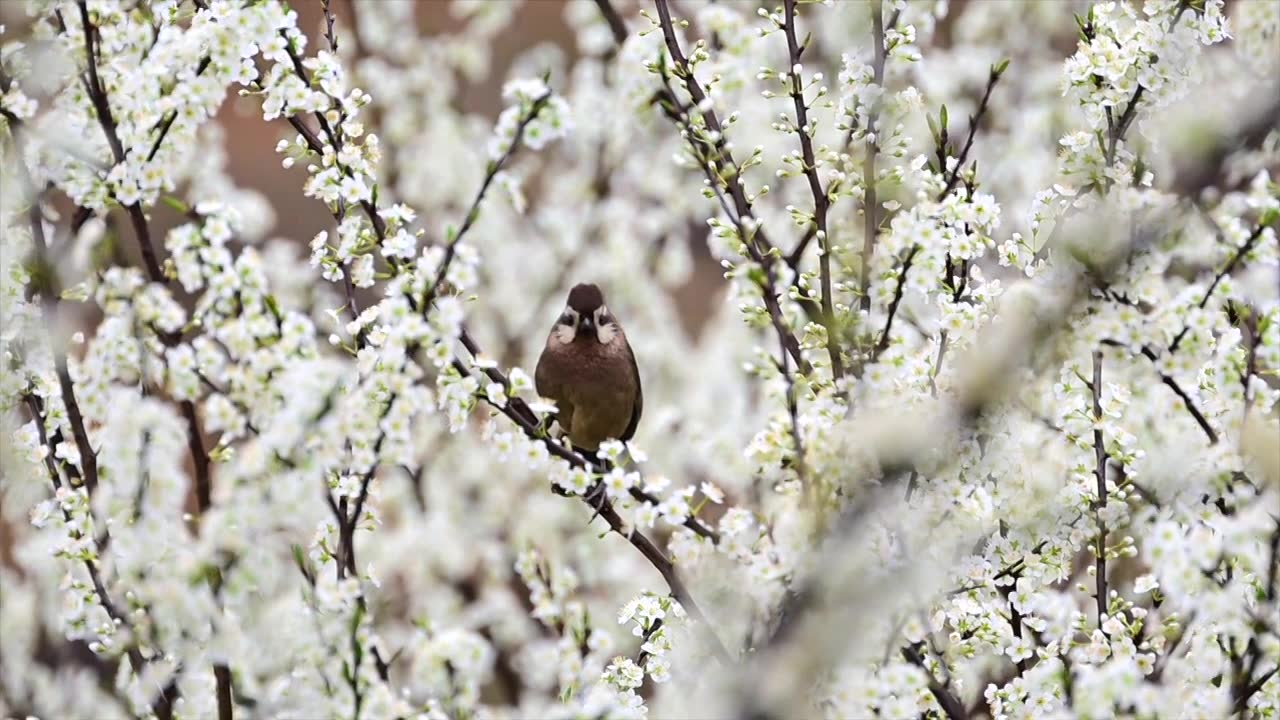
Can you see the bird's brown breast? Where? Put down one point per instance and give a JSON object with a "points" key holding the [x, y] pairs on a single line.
{"points": [[594, 385]]}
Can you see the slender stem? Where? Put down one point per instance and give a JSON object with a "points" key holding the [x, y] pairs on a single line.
{"points": [[102, 107], [328, 26], [885, 334], [1239, 254], [169, 119], [1116, 130], [1100, 472], [871, 203], [821, 203], [88, 455], [993, 77], [1190, 404], [793, 411], [473, 212]]}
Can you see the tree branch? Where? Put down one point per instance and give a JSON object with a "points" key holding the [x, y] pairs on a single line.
{"points": [[871, 203], [726, 177], [821, 203], [1100, 472], [951, 705]]}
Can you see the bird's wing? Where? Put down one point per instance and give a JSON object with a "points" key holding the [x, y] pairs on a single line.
{"points": [[638, 406]]}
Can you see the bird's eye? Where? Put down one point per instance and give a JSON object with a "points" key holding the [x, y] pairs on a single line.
{"points": [[566, 319], [606, 319]]}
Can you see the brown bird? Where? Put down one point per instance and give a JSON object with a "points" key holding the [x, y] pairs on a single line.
{"points": [[588, 369]]}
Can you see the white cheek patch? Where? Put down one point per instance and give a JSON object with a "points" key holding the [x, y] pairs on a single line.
{"points": [[565, 333], [605, 333]]}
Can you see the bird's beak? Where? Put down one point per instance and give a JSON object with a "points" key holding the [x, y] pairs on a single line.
{"points": [[586, 326]]}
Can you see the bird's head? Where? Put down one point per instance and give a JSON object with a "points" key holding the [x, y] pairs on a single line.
{"points": [[585, 317]]}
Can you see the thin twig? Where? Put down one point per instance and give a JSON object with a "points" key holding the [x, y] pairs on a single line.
{"points": [[473, 212], [883, 343], [1190, 404], [1240, 252], [1100, 472], [870, 205], [993, 77], [821, 203]]}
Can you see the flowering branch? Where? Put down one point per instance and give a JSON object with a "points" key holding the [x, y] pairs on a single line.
{"points": [[821, 202], [951, 705], [1224, 272], [103, 108], [883, 343], [713, 153], [473, 212], [88, 455], [1100, 505], [871, 204], [993, 77]]}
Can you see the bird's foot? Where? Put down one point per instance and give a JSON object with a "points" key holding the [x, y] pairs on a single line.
{"points": [[596, 497]]}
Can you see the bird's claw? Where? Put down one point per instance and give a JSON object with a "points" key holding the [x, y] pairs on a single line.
{"points": [[596, 498]]}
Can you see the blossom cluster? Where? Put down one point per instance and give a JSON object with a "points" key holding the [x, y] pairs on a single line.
{"points": [[974, 413]]}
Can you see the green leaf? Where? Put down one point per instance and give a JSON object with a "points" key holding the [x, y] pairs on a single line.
{"points": [[942, 117], [176, 204]]}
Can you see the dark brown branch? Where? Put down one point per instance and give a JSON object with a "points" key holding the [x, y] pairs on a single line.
{"points": [[222, 682], [793, 412], [821, 203], [951, 705], [102, 108], [1225, 271], [1173, 385], [473, 212], [993, 77], [136, 660], [614, 20], [883, 343], [793, 259], [726, 177], [88, 455], [1248, 691], [199, 457], [1117, 130], [169, 119], [316, 145], [1100, 505], [870, 205], [328, 26]]}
